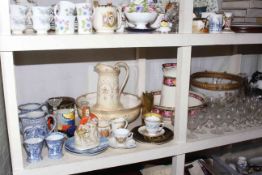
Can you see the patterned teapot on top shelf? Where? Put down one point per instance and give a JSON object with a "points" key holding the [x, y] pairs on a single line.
{"points": [[106, 18]]}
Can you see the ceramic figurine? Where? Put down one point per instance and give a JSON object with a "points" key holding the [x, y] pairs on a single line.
{"points": [[86, 134], [164, 27]]}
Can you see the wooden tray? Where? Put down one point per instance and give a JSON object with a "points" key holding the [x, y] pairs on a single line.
{"points": [[246, 28]]}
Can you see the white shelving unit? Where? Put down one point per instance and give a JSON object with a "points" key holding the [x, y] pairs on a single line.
{"points": [[177, 148]]}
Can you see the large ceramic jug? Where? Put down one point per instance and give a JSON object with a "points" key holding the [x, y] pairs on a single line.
{"points": [[106, 18], [108, 91]]}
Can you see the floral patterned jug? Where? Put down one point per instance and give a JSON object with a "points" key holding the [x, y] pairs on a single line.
{"points": [[108, 91]]}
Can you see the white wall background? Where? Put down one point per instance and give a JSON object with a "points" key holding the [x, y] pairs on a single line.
{"points": [[37, 83]]}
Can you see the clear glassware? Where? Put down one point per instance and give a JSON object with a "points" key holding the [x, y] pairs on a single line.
{"points": [[203, 118], [218, 121], [229, 118], [192, 125]]}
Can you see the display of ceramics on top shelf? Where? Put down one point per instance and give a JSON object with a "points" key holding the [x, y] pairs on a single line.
{"points": [[66, 17]]}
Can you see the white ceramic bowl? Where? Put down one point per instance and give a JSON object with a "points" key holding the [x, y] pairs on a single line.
{"points": [[141, 19], [130, 102]]}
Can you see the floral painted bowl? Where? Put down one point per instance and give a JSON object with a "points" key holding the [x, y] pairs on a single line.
{"points": [[196, 102]]}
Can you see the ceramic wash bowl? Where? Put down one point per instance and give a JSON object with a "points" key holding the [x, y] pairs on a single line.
{"points": [[131, 107], [196, 102]]}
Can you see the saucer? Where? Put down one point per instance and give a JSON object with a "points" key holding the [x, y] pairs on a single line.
{"points": [[130, 143], [142, 130], [133, 29], [70, 146], [164, 138]]}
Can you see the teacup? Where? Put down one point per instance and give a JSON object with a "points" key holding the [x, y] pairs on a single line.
{"points": [[84, 24], [55, 142], [33, 148], [103, 128], [18, 10], [34, 124], [215, 23], [122, 135], [41, 10], [64, 24], [64, 8], [18, 24], [29, 107], [118, 123], [84, 9], [153, 125]]}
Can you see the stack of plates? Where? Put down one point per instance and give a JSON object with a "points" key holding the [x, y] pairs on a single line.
{"points": [[70, 147]]}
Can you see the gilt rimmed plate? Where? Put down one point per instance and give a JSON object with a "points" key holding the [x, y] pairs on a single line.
{"points": [[70, 147], [164, 138], [142, 130]]}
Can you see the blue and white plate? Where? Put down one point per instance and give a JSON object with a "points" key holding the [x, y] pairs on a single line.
{"points": [[70, 146]]}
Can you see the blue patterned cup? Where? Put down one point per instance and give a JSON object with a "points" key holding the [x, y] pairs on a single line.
{"points": [[215, 23], [33, 148], [55, 142]]}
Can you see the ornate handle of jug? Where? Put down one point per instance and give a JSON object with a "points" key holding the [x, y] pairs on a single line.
{"points": [[125, 66]]}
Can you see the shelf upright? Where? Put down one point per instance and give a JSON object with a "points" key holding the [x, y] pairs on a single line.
{"points": [[182, 83], [4, 18], [9, 87]]}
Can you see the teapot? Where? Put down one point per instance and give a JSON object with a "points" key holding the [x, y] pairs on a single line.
{"points": [[108, 91], [106, 18]]}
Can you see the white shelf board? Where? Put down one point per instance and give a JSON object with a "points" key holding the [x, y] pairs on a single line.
{"points": [[125, 40], [210, 140], [72, 163]]}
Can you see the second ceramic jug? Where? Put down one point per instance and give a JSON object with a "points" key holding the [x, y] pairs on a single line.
{"points": [[168, 92], [34, 124], [108, 91]]}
